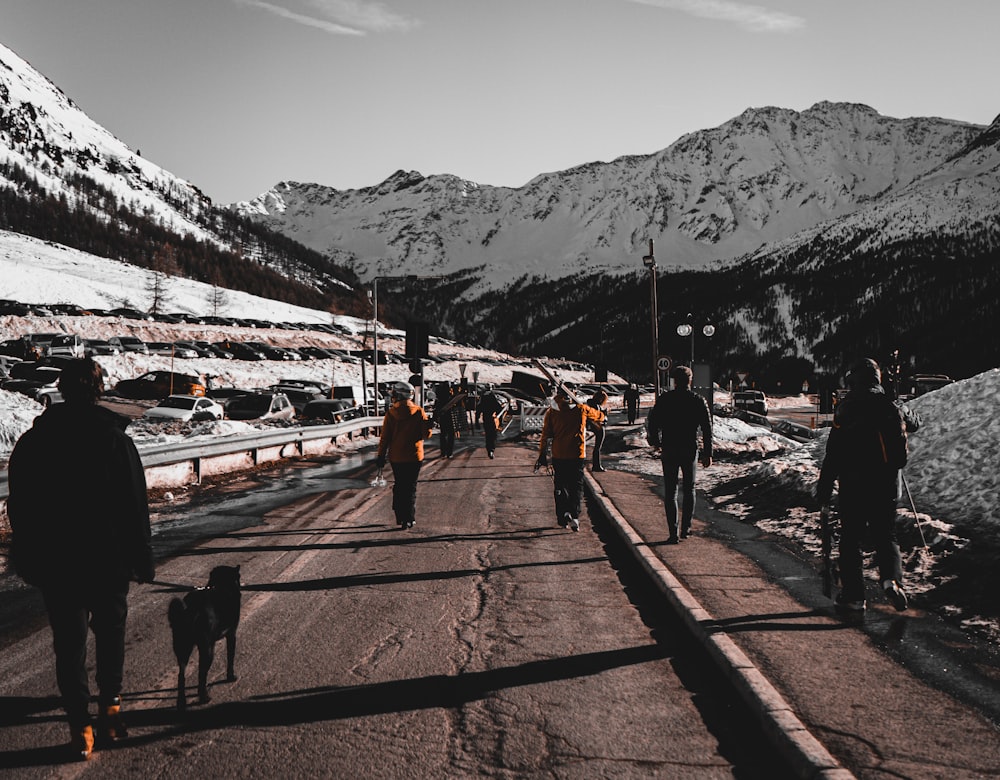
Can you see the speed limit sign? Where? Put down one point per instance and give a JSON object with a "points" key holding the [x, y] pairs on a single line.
{"points": [[663, 362]]}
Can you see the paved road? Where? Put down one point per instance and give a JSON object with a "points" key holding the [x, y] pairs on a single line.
{"points": [[485, 641]]}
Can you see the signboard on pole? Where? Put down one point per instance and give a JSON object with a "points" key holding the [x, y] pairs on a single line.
{"points": [[664, 363]]}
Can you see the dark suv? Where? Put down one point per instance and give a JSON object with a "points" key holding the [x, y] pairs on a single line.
{"points": [[160, 384], [750, 401]]}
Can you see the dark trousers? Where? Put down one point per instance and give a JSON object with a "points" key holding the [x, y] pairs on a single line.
{"points": [[448, 442], [568, 486], [404, 491], [863, 517], [490, 431], [70, 611], [672, 464], [633, 412], [599, 434]]}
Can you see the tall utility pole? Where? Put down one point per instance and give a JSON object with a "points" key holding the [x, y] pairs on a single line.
{"points": [[650, 262]]}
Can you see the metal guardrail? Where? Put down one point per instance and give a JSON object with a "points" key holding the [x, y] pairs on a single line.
{"points": [[179, 452]]}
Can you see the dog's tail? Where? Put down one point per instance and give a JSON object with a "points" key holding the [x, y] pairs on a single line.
{"points": [[176, 612]]}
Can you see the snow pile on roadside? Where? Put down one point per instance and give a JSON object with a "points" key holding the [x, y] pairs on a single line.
{"points": [[17, 413]]}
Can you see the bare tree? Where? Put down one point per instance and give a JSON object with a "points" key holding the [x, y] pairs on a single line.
{"points": [[164, 266]]}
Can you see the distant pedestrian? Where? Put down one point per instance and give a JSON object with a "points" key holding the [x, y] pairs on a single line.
{"points": [[565, 426], [80, 522], [672, 427], [404, 428], [444, 416], [599, 402], [490, 410], [631, 401], [864, 454]]}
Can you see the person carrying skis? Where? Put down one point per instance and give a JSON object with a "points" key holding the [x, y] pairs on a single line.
{"points": [[598, 401], [864, 454], [404, 428], [672, 427], [565, 425]]}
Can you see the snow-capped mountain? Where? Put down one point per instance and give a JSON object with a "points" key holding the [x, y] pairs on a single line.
{"points": [[713, 195], [65, 178], [45, 135]]}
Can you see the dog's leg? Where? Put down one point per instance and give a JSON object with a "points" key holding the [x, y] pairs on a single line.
{"points": [[206, 654], [231, 656], [183, 656]]}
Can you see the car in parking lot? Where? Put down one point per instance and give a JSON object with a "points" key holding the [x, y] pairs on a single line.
{"points": [[160, 384], [332, 410], [750, 401], [41, 387], [260, 406], [68, 344], [129, 344], [187, 408]]}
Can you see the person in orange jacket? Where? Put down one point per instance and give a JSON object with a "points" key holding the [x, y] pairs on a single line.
{"points": [[404, 428], [565, 424]]}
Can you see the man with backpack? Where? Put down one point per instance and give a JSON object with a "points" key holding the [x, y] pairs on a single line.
{"points": [[864, 454]]}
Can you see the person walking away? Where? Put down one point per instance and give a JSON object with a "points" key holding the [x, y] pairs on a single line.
{"points": [[490, 410], [445, 419], [865, 452], [672, 427], [598, 401], [565, 426], [80, 521], [631, 401], [404, 428]]}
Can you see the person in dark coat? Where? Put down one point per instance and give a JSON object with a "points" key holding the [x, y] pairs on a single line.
{"points": [[631, 401], [490, 410], [864, 454], [80, 520], [672, 427], [445, 419]]}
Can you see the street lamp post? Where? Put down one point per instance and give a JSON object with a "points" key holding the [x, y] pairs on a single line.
{"points": [[650, 262], [686, 329]]}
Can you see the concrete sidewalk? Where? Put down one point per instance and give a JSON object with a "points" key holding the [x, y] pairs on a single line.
{"points": [[829, 692]]}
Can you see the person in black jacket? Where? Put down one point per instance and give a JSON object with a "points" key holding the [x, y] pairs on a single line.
{"points": [[864, 454], [80, 521], [490, 410], [672, 427]]}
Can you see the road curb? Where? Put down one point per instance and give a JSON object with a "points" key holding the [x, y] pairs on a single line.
{"points": [[806, 754]]}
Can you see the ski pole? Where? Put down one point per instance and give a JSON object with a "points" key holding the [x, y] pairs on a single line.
{"points": [[913, 507]]}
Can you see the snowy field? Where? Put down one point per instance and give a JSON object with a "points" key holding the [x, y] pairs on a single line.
{"points": [[953, 473]]}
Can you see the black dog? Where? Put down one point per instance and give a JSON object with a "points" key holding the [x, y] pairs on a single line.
{"points": [[203, 617]]}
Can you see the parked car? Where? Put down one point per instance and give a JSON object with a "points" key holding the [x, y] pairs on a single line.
{"points": [[42, 387], [93, 347], [160, 384], [129, 344], [68, 344], [750, 401], [240, 350], [215, 350], [332, 409], [299, 395], [187, 408], [260, 406], [34, 369]]}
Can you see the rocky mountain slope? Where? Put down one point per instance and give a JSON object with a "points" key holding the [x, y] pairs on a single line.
{"points": [[714, 195]]}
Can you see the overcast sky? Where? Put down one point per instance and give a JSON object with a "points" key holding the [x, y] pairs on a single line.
{"points": [[238, 95]]}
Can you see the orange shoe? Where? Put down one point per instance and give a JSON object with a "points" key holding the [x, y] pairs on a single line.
{"points": [[82, 742], [110, 726]]}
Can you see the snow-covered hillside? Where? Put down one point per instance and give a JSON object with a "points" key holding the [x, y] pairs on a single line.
{"points": [[46, 135]]}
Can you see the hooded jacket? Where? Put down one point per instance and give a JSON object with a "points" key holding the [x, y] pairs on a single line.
{"points": [[404, 428], [866, 448], [77, 505], [566, 426]]}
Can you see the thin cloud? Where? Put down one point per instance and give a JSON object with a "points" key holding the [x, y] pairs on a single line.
{"points": [[752, 17], [339, 17]]}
